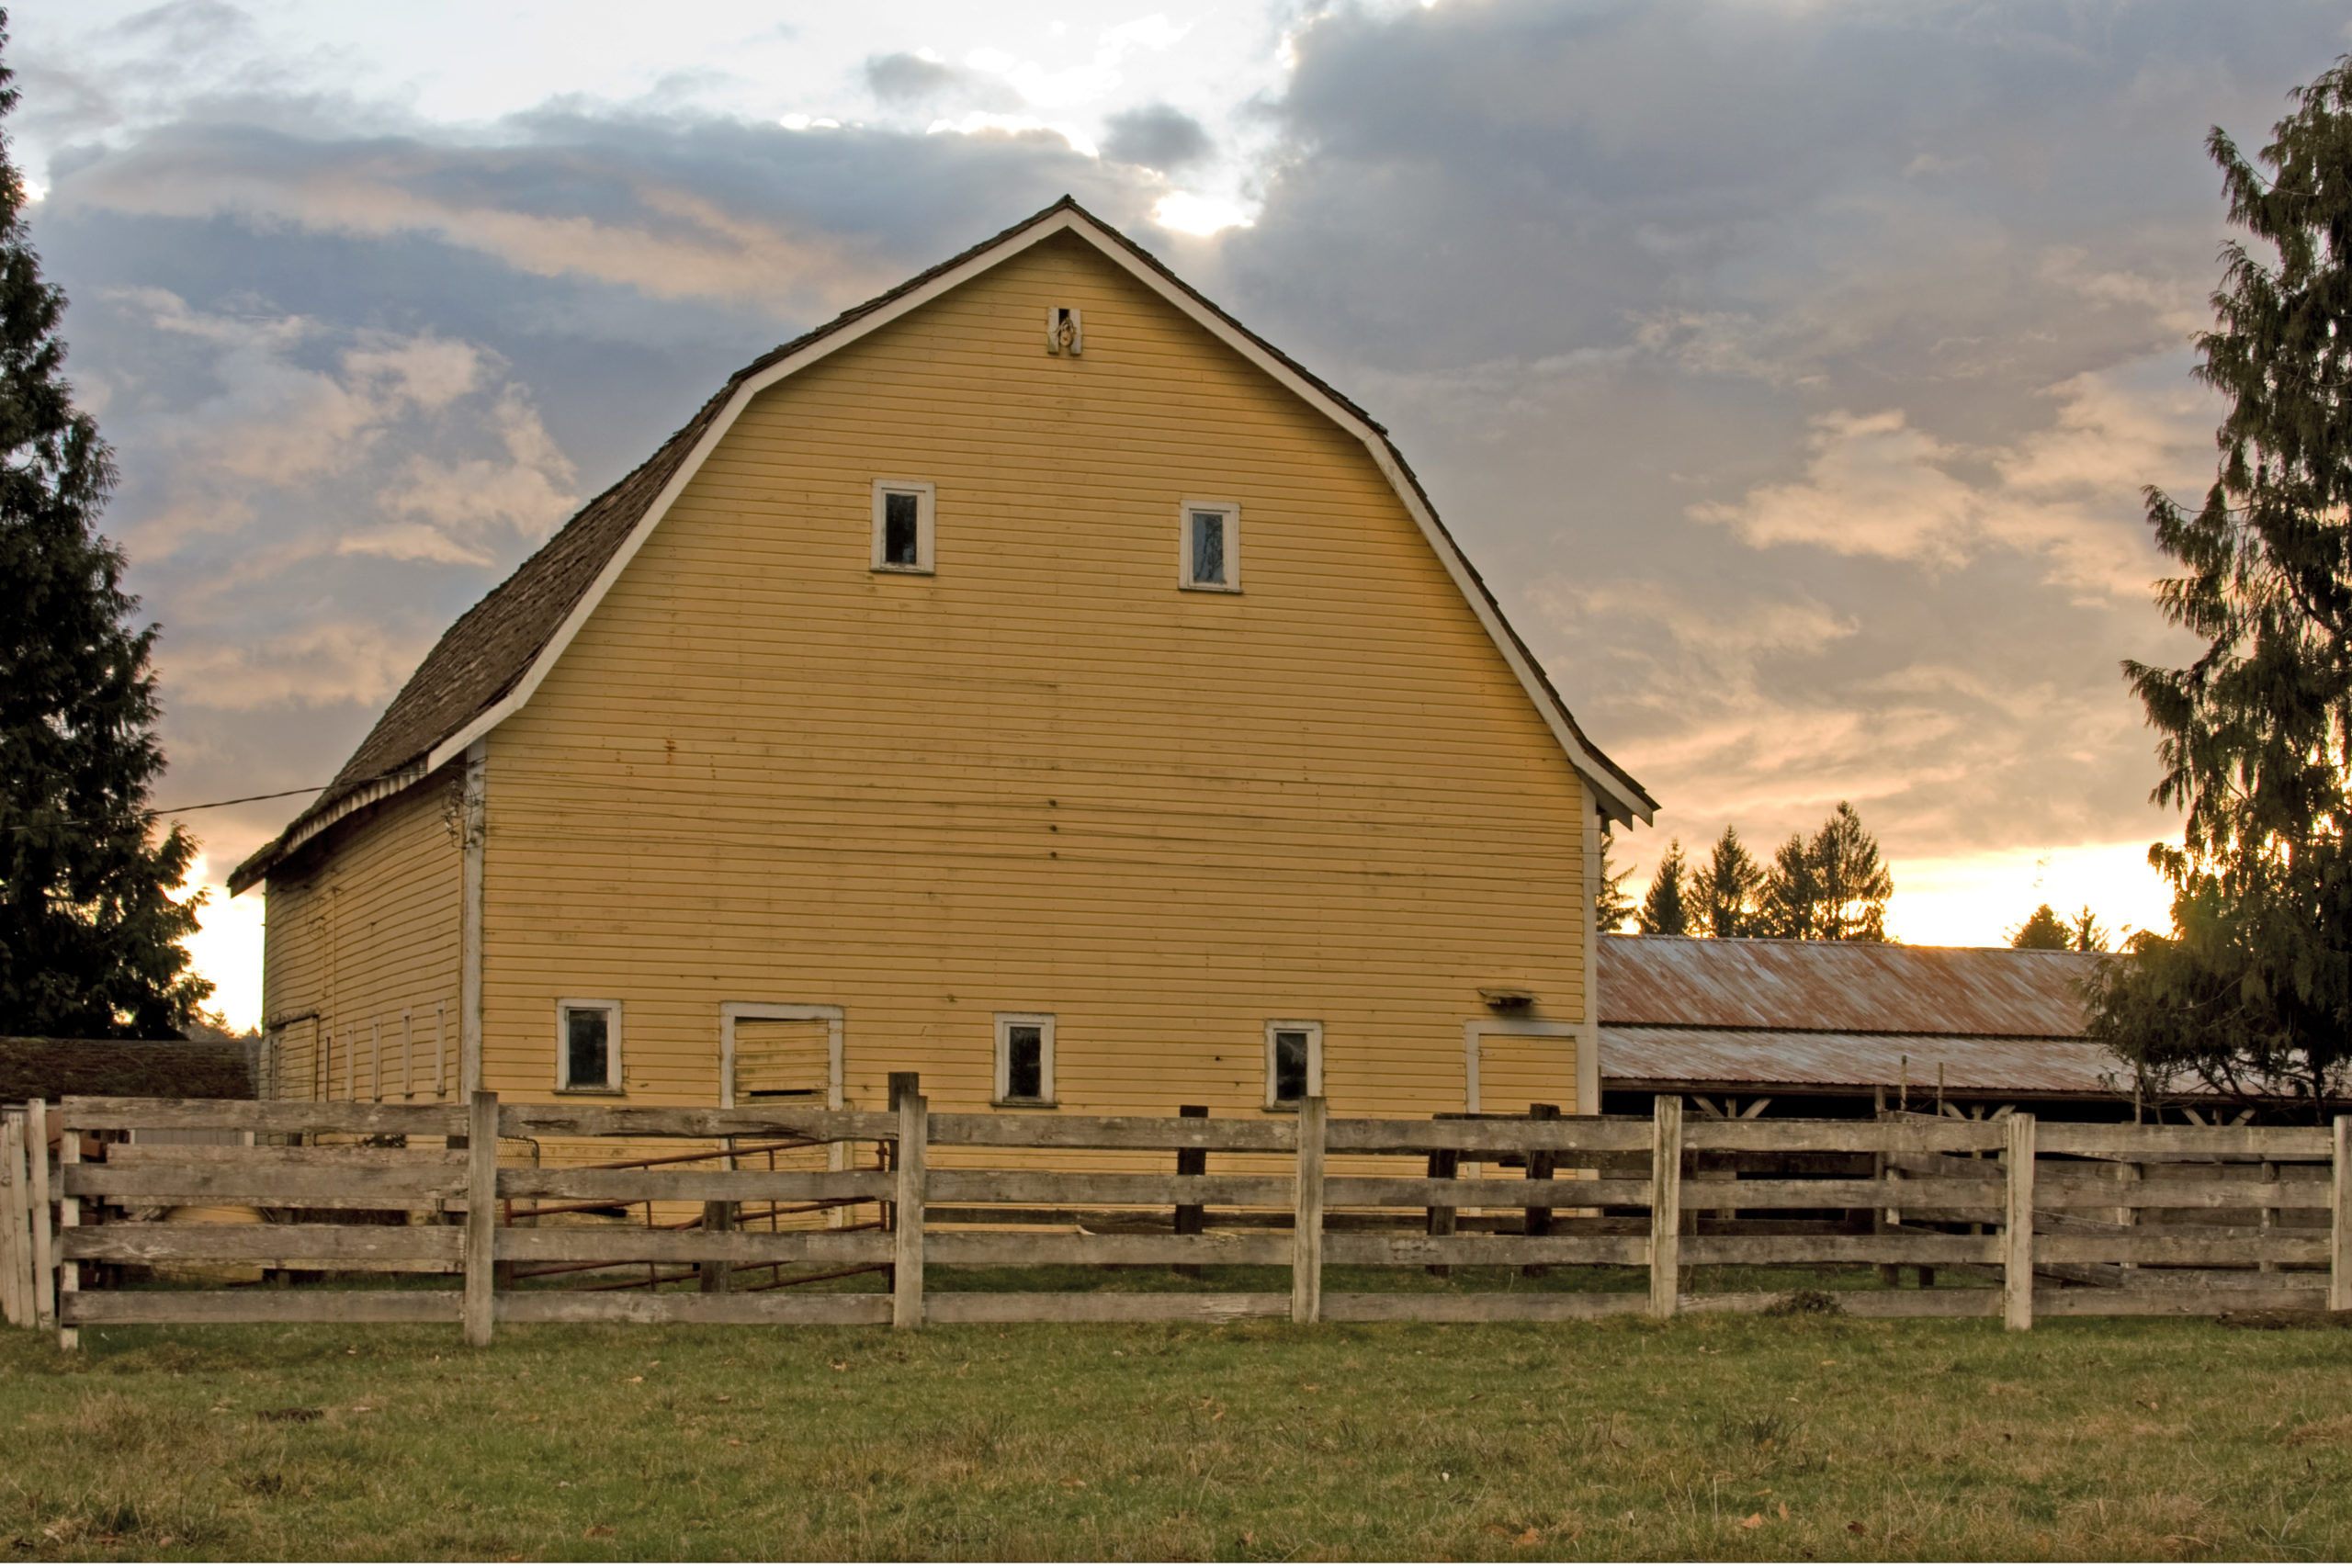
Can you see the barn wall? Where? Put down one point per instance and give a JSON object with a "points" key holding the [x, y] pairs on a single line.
{"points": [[1045, 779], [360, 945]]}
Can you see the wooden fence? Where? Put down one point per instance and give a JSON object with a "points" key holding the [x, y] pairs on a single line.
{"points": [[2051, 1218]]}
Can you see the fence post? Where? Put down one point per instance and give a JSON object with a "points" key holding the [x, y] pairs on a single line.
{"points": [[69, 1213], [2016, 1230], [1306, 1231], [481, 1214], [914, 1138], [1444, 1164], [718, 1219], [1666, 1204], [1191, 1219], [1541, 1164], [16, 1230], [44, 1254], [2339, 1229]]}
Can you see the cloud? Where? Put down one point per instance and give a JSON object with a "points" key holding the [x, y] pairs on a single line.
{"points": [[1156, 136], [2068, 494], [335, 662], [905, 80], [669, 208]]}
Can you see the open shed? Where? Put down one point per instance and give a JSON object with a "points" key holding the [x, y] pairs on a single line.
{"points": [[1747, 1028]]}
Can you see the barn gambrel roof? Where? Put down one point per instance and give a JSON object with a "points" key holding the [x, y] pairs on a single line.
{"points": [[489, 663]]}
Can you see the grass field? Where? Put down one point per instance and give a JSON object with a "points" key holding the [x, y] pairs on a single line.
{"points": [[1707, 1438]]}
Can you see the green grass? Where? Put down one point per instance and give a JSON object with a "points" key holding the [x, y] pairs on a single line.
{"points": [[1616, 1438]]}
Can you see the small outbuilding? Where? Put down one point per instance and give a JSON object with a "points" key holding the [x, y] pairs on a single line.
{"points": [[1750, 1028]]}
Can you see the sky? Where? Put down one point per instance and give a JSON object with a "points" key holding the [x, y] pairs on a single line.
{"points": [[1792, 368]]}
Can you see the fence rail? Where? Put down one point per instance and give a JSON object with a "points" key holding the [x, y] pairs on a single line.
{"points": [[2053, 1219]]}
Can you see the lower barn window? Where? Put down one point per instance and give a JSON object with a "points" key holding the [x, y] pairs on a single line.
{"points": [[1024, 1058], [1293, 1062], [588, 1046]]}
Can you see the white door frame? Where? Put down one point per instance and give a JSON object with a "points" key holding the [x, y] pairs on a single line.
{"points": [[1475, 1030], [732, 1013]]}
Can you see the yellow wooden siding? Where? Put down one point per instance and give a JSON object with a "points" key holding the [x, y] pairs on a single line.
{"points": [[366, 944], [1043, 779]]}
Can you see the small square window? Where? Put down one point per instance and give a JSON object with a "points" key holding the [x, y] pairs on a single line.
{"points": [[1293, 1062], [1065, 333], [1024, 1058], [904, 512], [1209, 546], [588, 1046]]}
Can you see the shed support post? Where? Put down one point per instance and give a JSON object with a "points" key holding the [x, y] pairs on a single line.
{"points": [[914, 1139], [1666, 1204], [2339, 1229], [481, 1215], [2017, 1231], [1306, 1233]]}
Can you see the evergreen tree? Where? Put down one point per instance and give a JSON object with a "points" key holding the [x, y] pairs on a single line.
{"points": [[2252, 990], [2045, 930], [89, 934], [1855, 883], [1663, 909], [1832, 888], [1728, 889], [1790, 906], [1611, 907], [2084, 932]]}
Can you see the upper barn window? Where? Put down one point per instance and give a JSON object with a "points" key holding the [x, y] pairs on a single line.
{"points": [[1209, 546], [902, 525]]}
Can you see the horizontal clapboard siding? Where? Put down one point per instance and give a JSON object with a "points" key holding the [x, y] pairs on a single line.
{"points": [[357, 941], [1043, 779]]}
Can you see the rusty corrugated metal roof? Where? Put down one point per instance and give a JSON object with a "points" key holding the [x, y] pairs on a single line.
{"points": [[1849, 988], [1794, 1059]]}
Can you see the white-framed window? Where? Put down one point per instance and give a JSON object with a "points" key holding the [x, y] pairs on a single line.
{"points": [[587, 1045], [1293, 1062], [1024, 1058], [903, 514], [1209, 546], [1065, 332]]}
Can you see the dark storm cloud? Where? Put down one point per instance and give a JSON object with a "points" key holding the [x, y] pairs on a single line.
{"points": [[1157, 136], [1798, 366]]}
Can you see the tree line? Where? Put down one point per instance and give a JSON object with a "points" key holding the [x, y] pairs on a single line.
{"points": [[1833, 886]]}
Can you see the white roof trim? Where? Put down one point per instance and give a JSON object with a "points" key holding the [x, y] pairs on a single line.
{"points": [[1615, 800]]}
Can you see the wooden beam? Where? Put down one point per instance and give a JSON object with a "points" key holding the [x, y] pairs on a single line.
{"points": [[1166, 1306], [266, 1306]]}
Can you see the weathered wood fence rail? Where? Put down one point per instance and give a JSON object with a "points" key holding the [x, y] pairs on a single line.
{"points": [[2053, 1218]]}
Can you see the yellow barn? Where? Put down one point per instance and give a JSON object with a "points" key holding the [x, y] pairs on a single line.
{"points": [[1031, 679]]}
